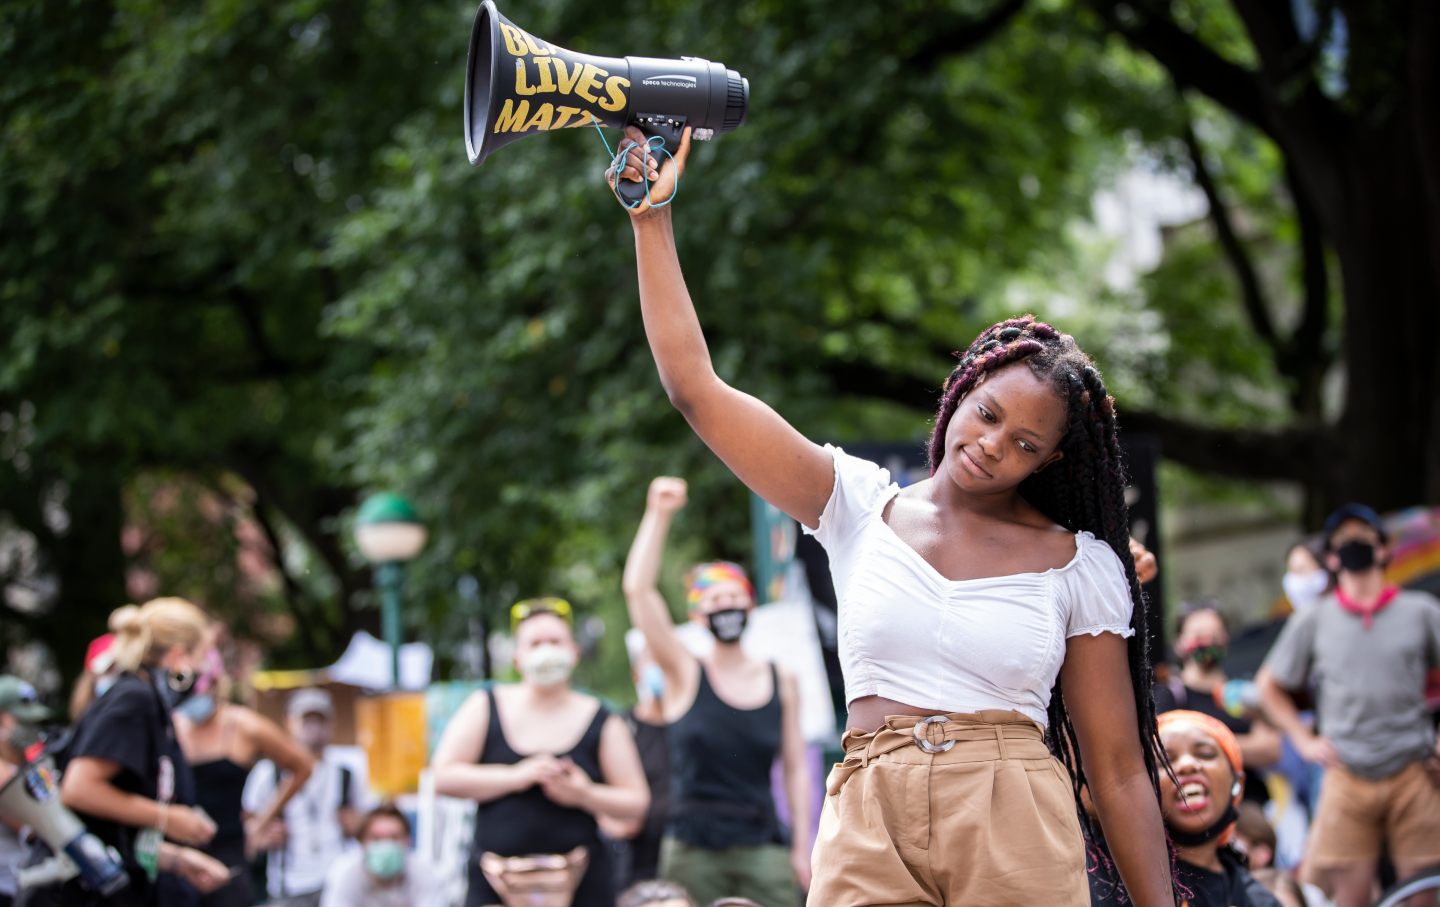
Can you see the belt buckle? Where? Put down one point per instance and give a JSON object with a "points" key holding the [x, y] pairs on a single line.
{"points": [[923, 742]]}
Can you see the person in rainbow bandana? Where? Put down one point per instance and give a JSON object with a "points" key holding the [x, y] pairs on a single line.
{"points": [[729, 717]]}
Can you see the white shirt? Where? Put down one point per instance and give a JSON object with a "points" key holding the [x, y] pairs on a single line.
{"points": [[909, 634], [349, 885], [314, 839]]}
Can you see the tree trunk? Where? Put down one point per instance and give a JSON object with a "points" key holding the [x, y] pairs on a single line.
{"points": [[90, 564], [1388, 439]]}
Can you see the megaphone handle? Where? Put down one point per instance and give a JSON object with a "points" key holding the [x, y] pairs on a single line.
{"points": [[668, 129]]}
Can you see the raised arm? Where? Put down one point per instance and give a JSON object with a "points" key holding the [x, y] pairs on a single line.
{"points": [[648, 611], [762, 449]]}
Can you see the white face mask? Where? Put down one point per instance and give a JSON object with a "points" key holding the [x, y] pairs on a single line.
{"points": [[1305, 589], [547, 664]]}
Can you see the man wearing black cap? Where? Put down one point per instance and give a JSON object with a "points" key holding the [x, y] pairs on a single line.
{"points": [[1365, 648], [20, 713]]}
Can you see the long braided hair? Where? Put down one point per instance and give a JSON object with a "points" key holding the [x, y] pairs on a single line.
{"points": [[1084, 489]]}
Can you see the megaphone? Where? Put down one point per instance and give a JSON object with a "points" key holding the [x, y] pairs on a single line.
{"points": [[32, 798], [518, 85]]}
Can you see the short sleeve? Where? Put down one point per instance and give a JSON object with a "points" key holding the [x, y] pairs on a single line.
{"points": [[1290, 658], [861, 488], [1097, 591], [109, 730], [259, 787]]}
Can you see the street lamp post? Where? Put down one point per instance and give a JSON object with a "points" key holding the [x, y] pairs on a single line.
{"points": [[389, 533]]}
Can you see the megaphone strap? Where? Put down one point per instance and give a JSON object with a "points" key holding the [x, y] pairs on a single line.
{"points": [[656, 146]]}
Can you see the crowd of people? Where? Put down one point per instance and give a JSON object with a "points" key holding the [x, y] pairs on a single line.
{"points": [[1008, 737], [671, 803]]}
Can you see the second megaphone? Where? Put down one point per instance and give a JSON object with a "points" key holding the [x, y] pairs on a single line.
{"points": [[518, 85]]}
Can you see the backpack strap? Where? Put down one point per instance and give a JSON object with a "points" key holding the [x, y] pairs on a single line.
{"points": [[344, 787]]}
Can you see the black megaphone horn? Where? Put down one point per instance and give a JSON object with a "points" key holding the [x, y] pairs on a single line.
{"points": [[518, 85]]}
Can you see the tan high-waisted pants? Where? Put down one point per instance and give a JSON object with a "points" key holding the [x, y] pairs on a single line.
{"points": [[989, 822]]}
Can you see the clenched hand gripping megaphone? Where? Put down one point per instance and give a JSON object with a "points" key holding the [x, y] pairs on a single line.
{"points": [[32, 798], [518, 85]]}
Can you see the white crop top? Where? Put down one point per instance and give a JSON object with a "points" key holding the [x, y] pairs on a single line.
{"points": [[911, 635]]}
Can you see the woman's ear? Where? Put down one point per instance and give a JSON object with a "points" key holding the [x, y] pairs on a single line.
{"points": [[1054, 456], [176, 656]]}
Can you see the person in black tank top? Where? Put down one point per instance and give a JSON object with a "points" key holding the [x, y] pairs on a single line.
{"points": [[730, 716], [542, 760], [222, 742]]}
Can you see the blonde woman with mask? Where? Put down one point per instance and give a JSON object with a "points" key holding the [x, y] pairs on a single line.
{"points": [[542, 760], [118, 771]]}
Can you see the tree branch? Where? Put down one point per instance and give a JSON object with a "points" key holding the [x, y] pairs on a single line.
{"points": [[965, 35], [305, 619], [1288, 454], [1251, 292], [243, 305], [1287, 61], [1306, 359], [861, 379], [1190, 62], [1276, 39], [326, 503]]}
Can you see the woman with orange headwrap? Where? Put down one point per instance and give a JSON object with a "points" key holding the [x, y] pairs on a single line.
{"points": [[1199, 806]]}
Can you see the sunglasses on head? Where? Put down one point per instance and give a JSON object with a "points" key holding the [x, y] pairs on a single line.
{"points": [[522, 611]]}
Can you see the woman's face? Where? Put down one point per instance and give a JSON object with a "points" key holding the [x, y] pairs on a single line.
{"points": [[1005, 428], [1206, 779], [543, 630], [1202, 629]]}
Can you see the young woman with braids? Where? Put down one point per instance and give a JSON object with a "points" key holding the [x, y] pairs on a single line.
{"points": [[984, 613]]}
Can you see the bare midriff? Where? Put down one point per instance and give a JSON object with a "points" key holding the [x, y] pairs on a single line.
{"points": [[868, 713]]}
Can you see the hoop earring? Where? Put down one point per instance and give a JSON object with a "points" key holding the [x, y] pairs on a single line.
{"points": [[180, 681]]}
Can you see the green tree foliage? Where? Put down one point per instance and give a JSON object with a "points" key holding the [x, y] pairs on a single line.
{"points": [[242, 246]]}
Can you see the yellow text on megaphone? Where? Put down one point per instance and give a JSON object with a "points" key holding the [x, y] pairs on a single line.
{"points": [[539, 70]]}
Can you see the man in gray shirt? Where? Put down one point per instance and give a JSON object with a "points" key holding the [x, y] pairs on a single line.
{"points": [[1365, 649]]}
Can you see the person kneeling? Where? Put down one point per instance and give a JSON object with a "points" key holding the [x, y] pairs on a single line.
{"points": [[384, 873]]}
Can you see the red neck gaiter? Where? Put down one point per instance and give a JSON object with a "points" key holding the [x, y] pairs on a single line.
{"points": [[1367, 614]]}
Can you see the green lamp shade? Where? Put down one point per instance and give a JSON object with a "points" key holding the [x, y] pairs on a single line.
{"points": [[388, 530]]}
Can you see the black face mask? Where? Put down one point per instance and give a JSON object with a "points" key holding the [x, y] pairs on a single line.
{"points": [[727, 626], [1356, 557], [1208, 656], [1205, 836]]}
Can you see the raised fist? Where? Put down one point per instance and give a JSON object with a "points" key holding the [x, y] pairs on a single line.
{"points": [[667, 494]]}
